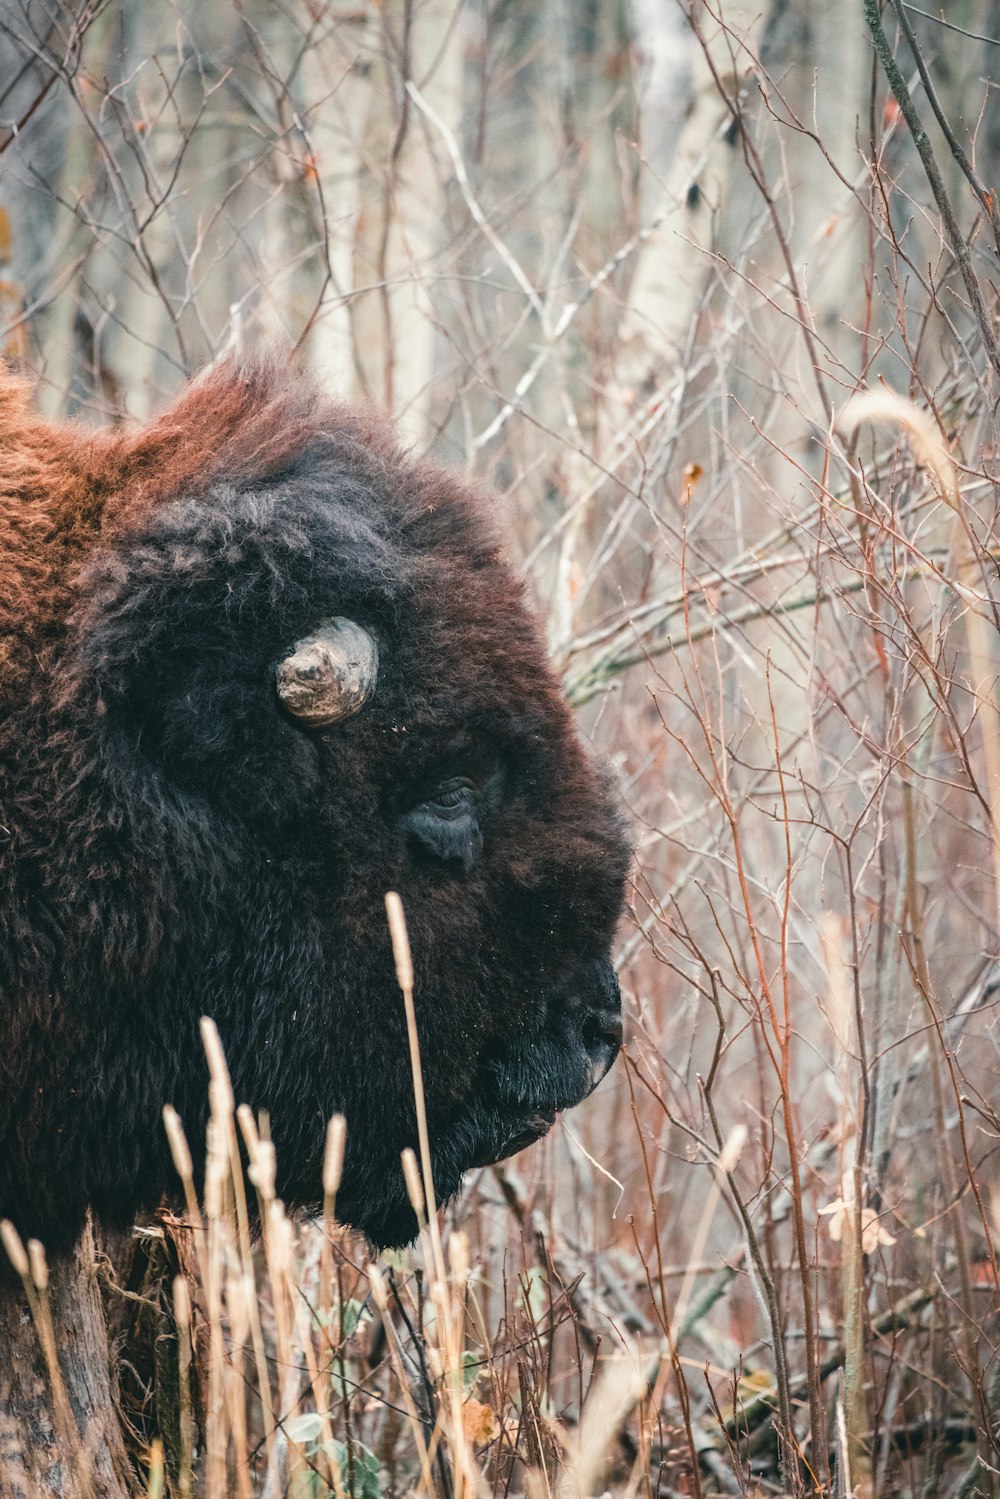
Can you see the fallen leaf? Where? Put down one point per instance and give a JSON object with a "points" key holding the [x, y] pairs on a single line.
{"points": [[479, 1422]]}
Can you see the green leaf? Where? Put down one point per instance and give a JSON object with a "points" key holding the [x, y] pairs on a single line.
{"points": [[352, 1316], [304, 1430]]}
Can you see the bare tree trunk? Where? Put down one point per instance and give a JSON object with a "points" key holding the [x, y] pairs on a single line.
{"points": [[695, 171], [60, 1436], [402, 208]]}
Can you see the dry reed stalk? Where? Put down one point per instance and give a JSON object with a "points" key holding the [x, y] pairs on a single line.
{"points": [[156, 1479], [724, 1166], [224, 1108], [404, 977], [41, 1311], [333, 1160], [452, 1324], [181, 1157], [30, 1265], [414, 1187], [217, 1227], [620, 1386], [278, 1248], [241, 1297], [232, 1284], [886, 406], [333, 1168], [252, 1141], [182, 1317], [964, 576], [853, 1411]]}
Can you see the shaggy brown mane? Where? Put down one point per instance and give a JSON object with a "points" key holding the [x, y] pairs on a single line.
{"points": [[173, 842]]}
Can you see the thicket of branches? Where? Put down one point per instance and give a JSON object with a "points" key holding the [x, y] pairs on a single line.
{"points": [[633, 265]]}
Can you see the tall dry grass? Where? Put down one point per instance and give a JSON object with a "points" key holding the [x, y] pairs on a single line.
{"points": [[295, 1365]]}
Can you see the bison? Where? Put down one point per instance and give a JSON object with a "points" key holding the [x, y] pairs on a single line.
{"points": [[257, 667]]}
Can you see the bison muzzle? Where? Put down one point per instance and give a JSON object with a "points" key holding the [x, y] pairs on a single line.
{"points": [[258, 666]]}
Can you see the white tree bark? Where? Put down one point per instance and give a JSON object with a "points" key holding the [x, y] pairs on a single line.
{"points": [[402, 209], [688, 173]]}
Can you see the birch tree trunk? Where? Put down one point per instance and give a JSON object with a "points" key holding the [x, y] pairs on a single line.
{"points": [[692, 167], [402, 207]]}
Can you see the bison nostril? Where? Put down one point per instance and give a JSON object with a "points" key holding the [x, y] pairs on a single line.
{"points": [[602, 1038], [602, 1034]]}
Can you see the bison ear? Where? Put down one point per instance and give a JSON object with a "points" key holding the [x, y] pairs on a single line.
{"points": [[330, 674]]}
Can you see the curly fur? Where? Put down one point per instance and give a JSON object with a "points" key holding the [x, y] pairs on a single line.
{"points": [[172, 844]]}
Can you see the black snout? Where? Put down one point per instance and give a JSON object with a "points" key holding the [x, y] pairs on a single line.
{"points": [[601, 1027], [542, 1071]]}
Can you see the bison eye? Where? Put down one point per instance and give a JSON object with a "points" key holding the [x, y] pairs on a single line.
{"points": [[447, 823], [454, 796]]}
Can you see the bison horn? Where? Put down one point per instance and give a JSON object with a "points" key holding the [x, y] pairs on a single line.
{"points": [[330, 674]]}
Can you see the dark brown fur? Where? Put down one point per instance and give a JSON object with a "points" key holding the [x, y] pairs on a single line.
{"points": [[172, 844]]}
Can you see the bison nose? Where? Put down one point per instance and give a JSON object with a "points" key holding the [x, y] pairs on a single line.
{"points": [[602, 1036], [601, 1028]]}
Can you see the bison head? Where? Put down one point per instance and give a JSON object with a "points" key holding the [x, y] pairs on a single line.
{"points": [[259, 667]]}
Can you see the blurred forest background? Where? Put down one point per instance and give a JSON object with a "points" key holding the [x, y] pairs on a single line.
{"points": [[628, 261]]}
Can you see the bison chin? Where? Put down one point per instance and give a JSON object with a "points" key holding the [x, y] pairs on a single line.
{"points": [[520, 1087]]}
